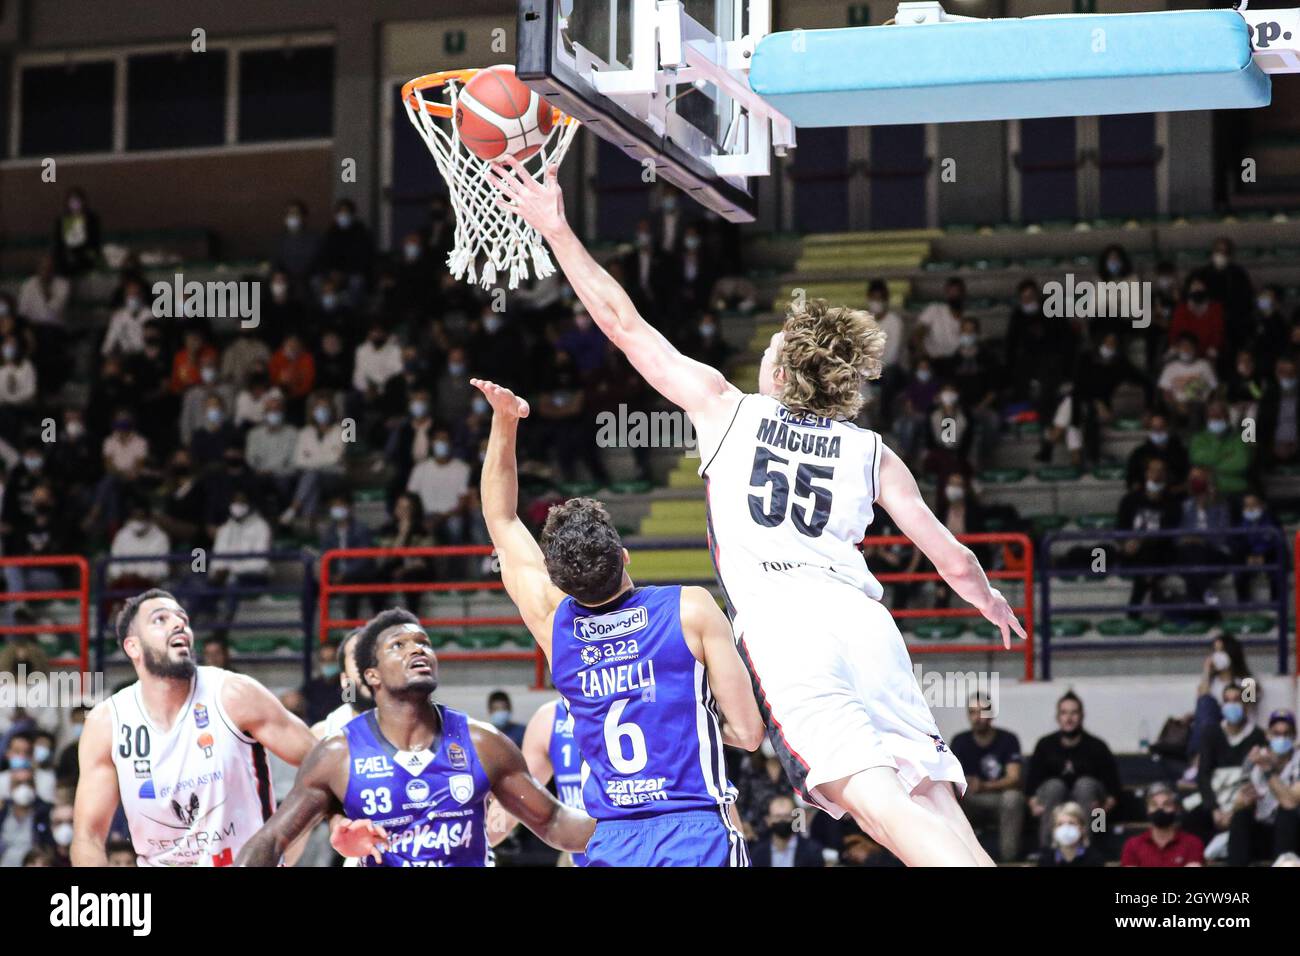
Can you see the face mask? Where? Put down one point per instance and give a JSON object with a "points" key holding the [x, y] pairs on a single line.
{"points": [[783, 829], [322, 414], [76, 429], [876, 306], [456, 368], [956, 492], [32, 464], [1107, 352], [25, 795], [419, 409], [499, 718], [923, 375], [1264, 303], [441, 449], [279, 291], [339, 513], [643, 240], [412, 251], [479, 405], [208, 374], [1288, 384], [1217, 426], [1029, 308], [1066, 834], [19, 763], [1159, 438], [967, 340], [1163, 818], [1252, 514], [63, 834], [275, 419], [707, 330], [10, 352], [76, 731], [1220, 660], [948, 398], [1186, 355], [238, 510], [492, 324], [1233, 712], [670, 204], [1220, 260], [329, 671], [1164, 283], [1114, 266], [74, 205], [215, 416], [40, 753], [293, 222], [329, 301], [1281, 745], [691, 243], [344, 220]]}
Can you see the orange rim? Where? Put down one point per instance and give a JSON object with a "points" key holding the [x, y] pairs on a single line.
{"points": [[434, 80]]}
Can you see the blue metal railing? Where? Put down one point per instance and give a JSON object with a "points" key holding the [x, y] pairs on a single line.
{"points": [[1048, 572]]}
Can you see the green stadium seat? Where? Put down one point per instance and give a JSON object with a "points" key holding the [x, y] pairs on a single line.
{"points": [[938, 630], [1058, 473], [1109, 472], [579, 489], [1068, 627], [631, 487], [252, 644], [1121, 627], [1042, 524], [440, 638], [1184, 628], [1002, 476], [1249, 624], [1127, 424], [1096, 522], [488, 640]]}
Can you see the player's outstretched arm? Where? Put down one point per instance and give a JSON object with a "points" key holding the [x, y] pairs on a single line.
{"points": [[702, 392], [523, 797], [955, 562], [259, 713], [537, 755], [97, 796], [523, 568], [702, 619], [314, 795]]}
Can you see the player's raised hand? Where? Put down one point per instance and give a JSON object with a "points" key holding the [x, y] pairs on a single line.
{"points": [[358, 838], [998, 611], [541, 205], [503, 401]]}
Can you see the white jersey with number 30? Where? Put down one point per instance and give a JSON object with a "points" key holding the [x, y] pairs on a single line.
{"points": [[789, 498]]}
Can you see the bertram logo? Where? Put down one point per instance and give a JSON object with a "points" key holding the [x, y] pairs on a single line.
{"points": [[604, 627], [103, 909]]}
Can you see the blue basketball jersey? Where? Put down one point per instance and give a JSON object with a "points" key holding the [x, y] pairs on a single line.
{"points": [[431, 803], [567, 763], [644, 718]]}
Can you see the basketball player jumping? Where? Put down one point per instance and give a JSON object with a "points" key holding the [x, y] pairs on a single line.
{"points": [[412, 776], [183, 748], [644, 672], [790, 485]]}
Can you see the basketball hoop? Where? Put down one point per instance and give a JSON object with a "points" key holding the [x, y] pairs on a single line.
{"points": [[483, 228]]}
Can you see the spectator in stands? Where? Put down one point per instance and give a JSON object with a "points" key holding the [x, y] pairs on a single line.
{"points": [[216, 652], [333, 363], [125, 334], [22, 752], [1259, 547], [1269, 337], [194, 401], [1069, 844], [252, 400], [442, 483], [584, 343], [75, 462], [245, 533], [784, 844], [1227, 283], [895, 358], [24, 818], [60, 835], [978, 380], [411, 442], [912, 420], [42, 300], [139, 537], [120, 853], [189, 361], [644, 270], [126, 459], [318, 459], [1266, 815], [23, 479], [297, 248], [495, 346], [453, 392], [1201, 317], [958, 508], [1097, 378], [501, 715], [244, 358], [1221, 452], [1244, 389], [18, 396], [406, 530], [44, 533], [893, 559], [565, 425], [322, 692], [1223, 751], [293, 372], [210, 443], [1206, 513], [283, 311], [270, 446], [1165, 446], [345, 530], [149, 394], [1279, 416], [76, 236], [990, 758], [182, 502], [1224, 666], [1070, 764], [689, 277], [409, 284], [938, 327], [1165, 844], [704, 343], [1186, 381], [347, 251], [378, 360], [1041, 353]]}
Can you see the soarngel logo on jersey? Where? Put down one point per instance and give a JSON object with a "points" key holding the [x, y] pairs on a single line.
{"points": [[605, 627]]}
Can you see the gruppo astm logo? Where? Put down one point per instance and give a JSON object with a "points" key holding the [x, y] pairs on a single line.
{"points": [[604, 627]]}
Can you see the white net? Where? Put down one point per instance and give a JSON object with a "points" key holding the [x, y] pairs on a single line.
{"points": [[489, 240]]}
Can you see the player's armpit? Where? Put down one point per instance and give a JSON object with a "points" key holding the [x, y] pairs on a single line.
{"points": [[314, 795], [728, 678], [523, 797], [258, 713], [97, 794]]}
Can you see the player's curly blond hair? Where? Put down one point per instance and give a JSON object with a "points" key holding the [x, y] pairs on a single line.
{"points": [[826, 354]]}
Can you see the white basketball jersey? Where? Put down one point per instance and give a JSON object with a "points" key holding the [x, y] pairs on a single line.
{"points": [[195, 793], [789, 498], [337, 719]]}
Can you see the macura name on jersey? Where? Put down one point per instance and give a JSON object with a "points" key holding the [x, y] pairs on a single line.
{"points": [[619, 679], [792, 437]]}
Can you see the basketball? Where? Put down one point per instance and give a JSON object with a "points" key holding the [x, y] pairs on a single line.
{"points": [[496, 114]]}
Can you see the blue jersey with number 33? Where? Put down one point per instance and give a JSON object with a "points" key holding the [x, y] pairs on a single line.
{"points": [[644, 717]]}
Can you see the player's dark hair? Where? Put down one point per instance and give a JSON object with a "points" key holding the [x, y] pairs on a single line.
{"points": [[1070, 695], [584, 554], [131, 606], [367, 644]]}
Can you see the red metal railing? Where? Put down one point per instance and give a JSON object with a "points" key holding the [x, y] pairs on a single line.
{"points": [[1024, 610], [329, 589], [80, 594]]}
